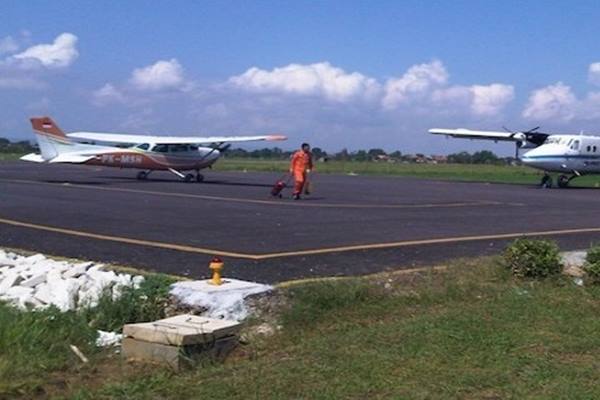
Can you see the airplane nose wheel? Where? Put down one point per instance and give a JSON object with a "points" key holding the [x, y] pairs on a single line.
{"points": [[546, 182], [188, 178], [142, 175]]}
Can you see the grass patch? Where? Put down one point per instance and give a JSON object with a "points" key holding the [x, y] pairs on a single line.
{"points": [[461, 172], [10, 156], [34, 346], [472, 331]]}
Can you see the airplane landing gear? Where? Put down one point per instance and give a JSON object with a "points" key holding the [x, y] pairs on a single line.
{"points": [[546, 182], [188, 177], [142, 175], [563, 180]]}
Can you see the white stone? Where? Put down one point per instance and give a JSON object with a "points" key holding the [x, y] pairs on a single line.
{"points": [[107, 339], [34, 281], [573, 258], [76, 270], [34, 259], [43, 293], [137, 281], [223, 301], [9, 280]]}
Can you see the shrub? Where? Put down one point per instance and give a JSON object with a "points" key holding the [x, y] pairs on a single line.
{"points": [[592, 264], [528, 258]]}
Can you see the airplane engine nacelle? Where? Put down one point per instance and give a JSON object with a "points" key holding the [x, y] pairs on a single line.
{"points": [[527, 145]]}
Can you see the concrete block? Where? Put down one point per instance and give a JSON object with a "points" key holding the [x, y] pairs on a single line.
{"points": [[178, 357], [182, 330]]}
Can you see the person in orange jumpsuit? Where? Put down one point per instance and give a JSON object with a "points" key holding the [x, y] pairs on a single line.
{"points": [[300, 167]]}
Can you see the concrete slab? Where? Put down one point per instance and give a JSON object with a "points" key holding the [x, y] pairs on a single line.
{"points": [[177, 357], [182, 330]]}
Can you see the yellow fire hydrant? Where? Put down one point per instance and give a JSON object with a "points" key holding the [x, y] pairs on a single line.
{"points": [[216, 265]]}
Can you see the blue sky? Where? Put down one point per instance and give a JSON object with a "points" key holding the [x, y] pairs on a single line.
{"points": [[339, 74]]}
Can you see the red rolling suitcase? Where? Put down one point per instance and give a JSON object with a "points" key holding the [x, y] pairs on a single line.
{"points": [[279, 186]]}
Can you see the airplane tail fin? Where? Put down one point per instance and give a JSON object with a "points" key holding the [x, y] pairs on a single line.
{"points": [[51, 139]]}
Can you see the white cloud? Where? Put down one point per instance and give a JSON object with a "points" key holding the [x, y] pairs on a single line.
{"points": [[491, 99], [427, 85], [418, 80], [107, 94], [61, 53], [8, 45], [158, 76], [314, 79], [553, 102], [594, 73]]}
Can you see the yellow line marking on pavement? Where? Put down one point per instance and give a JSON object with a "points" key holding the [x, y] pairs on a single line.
{"points": [[120, 239], [475, 203], [308, 252]]}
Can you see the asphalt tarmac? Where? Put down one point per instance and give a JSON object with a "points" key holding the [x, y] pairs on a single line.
{"points": [[350, 225]]}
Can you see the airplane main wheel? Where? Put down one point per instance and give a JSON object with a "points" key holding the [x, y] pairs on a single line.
{"points": [[142, 175], [188, 178], [546, 182], [199, 178], [563, 181]]}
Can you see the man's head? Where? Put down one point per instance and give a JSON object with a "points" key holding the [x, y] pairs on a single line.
{"points": [[305, 147]]}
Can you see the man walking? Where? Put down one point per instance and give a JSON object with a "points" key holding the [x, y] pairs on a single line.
{"points": [[299, 167]]}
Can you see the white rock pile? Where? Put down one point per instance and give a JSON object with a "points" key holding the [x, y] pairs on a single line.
{"points": [[36, 282]]}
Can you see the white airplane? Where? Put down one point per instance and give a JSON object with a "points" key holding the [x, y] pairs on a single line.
{"points": [[569, 155], [148, 153]]}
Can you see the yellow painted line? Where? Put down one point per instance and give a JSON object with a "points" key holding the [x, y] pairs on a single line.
{"points": [[120, 239], [420, 242], [475, 203], [308, 252]]}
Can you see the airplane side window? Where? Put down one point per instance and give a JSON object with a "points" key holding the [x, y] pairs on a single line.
{"points": [[160, 148], [594, 149], [178, 147], [589, 148], [575, 145]]}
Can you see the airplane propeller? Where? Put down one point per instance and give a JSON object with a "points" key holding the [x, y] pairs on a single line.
{"points": [[520, 137]]}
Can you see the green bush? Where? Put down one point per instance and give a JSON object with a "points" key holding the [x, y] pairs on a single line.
{"points": [[146, 303], [528, 258], [592, 264]]}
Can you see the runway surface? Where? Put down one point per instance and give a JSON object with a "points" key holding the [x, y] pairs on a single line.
{"points": [[351, 225]]}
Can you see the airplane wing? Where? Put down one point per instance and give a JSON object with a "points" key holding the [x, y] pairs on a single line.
{"points": [[136, 139], [536, 138]]}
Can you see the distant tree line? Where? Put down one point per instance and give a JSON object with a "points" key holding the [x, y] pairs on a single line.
{"points": [[376, 155], [22, 147], [479, 157]]}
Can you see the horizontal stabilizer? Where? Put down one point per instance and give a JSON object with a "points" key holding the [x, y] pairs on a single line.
{"points": [[33, 157], [70, 158]]}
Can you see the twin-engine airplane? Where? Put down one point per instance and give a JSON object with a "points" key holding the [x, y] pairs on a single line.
{"points": [[148, 153], [569, 155]]}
